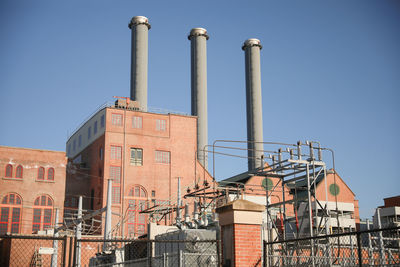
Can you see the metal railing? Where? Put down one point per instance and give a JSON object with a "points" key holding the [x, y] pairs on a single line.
{"points": [[378, 247]]}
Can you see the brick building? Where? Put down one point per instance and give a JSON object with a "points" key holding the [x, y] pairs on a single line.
{"points": [[143, 153], [337, 196], [31, 188]]}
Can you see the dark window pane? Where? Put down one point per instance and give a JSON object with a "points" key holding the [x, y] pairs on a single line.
{"points": [[37, 201], [18, 173], [4, 215], [50, 174], [43, 201], [16, 214], [41, 173], [12, 198], [37, 215], [47, 216], [5, 200], [9, 170], [15, 228]]}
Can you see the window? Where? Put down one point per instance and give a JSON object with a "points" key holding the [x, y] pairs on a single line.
{"points": [[102, 121], [9, 170], [137, 201], [40, 173], [11, 204], [89, 132], [116, 119], [116, 195], [115, 152], [115, 174], [153, 193], [160, 125], [19, 172], [79, 140], [42, 213], [162, 157], [136, 122], [74, 145], [95, 128], [136, 156], [50, 174]]}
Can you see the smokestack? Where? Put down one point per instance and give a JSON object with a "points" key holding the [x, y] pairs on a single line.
{"points": [[198, 38], [252, 49], [139, 62]]}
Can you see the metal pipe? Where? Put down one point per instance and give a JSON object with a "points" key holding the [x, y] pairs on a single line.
{"points": [[54, 256], [198, 45], [139, 60], [78, 234], [252, 48]]}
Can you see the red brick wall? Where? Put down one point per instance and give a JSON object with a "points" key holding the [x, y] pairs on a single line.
{"points": [[247, 245], [29, 187], [392, 201]]}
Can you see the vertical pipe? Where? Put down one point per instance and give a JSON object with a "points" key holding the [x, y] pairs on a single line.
{"points": [[78, 234], [310, 213], [178, 211], [107, 227], [252, 48], [370, 251], [381, 246], [55, 242], [198, 49], [139, 60]]}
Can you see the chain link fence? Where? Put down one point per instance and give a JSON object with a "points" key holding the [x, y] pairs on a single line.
{"points": [[157, 253], [366, 248], [32, 251]]}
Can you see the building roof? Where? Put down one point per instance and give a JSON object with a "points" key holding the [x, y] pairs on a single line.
{"points": [[34, 149]]}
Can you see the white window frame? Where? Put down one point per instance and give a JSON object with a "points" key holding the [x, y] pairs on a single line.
{"points": [[137, 122], [137, 159]]}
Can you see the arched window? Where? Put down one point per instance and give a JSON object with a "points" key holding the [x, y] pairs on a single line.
{"points": [[9, 170], [50, 174], [40, 175], [42, 213], [10, 213], [19, 172], [137, 201]]}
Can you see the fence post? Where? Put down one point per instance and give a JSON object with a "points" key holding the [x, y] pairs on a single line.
{"points": [[180, 258], [54, 256], [150, 252], [359, 249], [70, 252], [64, 259], [219, 253]]}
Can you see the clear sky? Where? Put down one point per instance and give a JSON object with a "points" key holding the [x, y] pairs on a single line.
{"points": [[330, 72]]}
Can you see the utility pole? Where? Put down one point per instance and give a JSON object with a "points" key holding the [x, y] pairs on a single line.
{"points": [[107, 227], [78, 233], [55, 242]]}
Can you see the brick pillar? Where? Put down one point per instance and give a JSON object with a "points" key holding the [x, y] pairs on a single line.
{"points": [[240, 223]]}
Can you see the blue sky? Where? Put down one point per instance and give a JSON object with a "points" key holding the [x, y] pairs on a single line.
{"points": [[330, 72]]}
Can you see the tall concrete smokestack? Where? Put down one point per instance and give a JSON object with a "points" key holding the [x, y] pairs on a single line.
{"points": [[198, 38], [252, 49], [139, 62]]}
